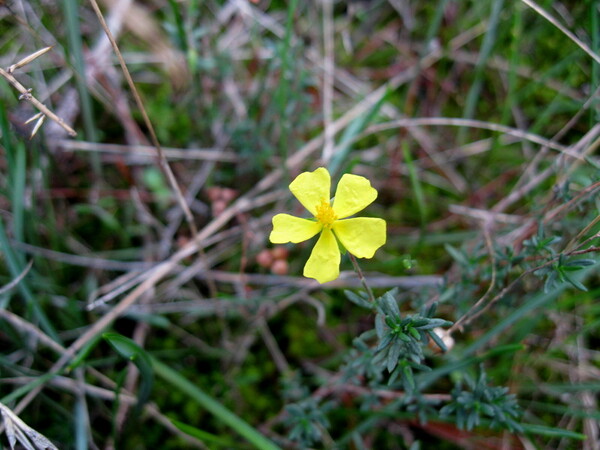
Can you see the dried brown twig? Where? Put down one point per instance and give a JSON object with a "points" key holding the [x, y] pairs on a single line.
{"points": [[28, 96], [164, 165]]}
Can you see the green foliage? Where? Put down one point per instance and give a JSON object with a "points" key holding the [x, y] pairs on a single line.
{"points": [[402, 340], [133, 352], [561, 271], [306, 421], [468, 406]]}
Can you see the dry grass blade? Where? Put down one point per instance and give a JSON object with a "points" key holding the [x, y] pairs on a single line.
{"points": [[328, 78], [30, 329], [166, 168], [145, 152], [456, 122], [37, 126], [23, 62], [4, 289], [73, 385], [152, 278], [19, 431], [28, 96], [558, 25]]}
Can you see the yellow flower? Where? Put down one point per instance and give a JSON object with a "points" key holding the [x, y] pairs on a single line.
{"points": [[361, 236]]}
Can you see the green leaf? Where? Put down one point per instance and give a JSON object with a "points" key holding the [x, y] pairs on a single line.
{"points": [[415, 334], [204, 436], [358, 300], [552, 432], [580, 262], [415, 184], [107, 218], [392, 357], [438, 341], [550, 282], [84, 352], [576, 283], [390, 305], [403, 337], [456, 255], [549, 241], [407, 376], [351, 132], [213, 406], [384, 342], [132, 351], [380, 326]]}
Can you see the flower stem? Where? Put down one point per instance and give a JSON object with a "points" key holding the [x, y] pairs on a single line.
{"points": [[358, 270]]}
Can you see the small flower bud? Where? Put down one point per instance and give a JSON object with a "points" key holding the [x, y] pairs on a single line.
{"points": [[228, 194], [279, 267], [265, 258], [280, 252], [214, 193], [218, 207]]}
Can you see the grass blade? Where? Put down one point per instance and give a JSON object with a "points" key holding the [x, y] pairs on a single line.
{"points": [[351, 132], [416, 185], [486, 49], [75, 47], [552, 432], [212, 406]]}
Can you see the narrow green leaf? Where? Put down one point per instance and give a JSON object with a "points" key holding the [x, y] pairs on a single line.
{"points": [[75, 51], [83, 353], [127, 348], [356, 127], [392, 357], [407, 375], [456, 255], [391, 304], [415, 183], [15, 267], [211, 405], [575, 283], [358, 300], [205, 436], [81, 424], [552, 432], [23, 390], [580, 263], [438, 341], [484, 54]]}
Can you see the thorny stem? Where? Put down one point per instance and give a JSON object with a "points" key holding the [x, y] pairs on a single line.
{"points": [[362, 278]]}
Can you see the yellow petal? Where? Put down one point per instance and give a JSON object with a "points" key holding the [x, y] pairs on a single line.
{"points": [[311, 188], [288, 228], [354, 193], [361, 236], [324, 262]]}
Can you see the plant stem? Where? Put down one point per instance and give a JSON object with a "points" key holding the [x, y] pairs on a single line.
{"points": [[358, 270]]}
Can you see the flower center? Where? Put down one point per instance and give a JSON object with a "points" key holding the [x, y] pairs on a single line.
{"points": [[325, 214]]}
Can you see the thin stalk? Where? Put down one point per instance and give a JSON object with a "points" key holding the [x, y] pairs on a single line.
{"points": [[362, 278], [163, 164]]}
